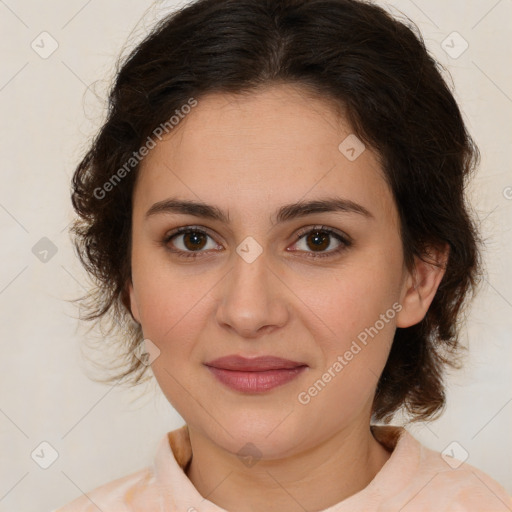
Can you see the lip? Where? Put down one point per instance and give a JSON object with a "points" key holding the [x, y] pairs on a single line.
{"points": [[255, 364], [255, 375]]}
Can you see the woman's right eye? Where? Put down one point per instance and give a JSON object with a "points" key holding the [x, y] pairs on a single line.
{"points": [[190, 241]]}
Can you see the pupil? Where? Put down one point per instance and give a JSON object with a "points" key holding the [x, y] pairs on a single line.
{"points": [[197, 240], [318, 238]]}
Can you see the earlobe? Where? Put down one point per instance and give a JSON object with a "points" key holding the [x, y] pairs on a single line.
{"points": [[421, 286], [130, 301]]}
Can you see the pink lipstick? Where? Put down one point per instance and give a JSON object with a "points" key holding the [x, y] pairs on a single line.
{"points": [[255, 375]]}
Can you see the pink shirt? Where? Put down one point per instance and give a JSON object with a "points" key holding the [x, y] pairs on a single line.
{"points": [[414, 479]]}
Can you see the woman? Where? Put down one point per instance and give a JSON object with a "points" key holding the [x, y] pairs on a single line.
{"points": [[275, 209]]}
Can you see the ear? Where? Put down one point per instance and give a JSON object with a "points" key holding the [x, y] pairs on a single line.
{"points": [[420, 286], [130, 302]]}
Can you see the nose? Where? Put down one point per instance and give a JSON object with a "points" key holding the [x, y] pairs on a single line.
{"points": [[253, 298]]}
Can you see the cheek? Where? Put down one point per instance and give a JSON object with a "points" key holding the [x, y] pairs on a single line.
{"points": [[353, 325], [172, 314], [172, 302], [349, 302]]}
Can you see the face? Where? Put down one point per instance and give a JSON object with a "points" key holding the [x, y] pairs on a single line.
{"points": [[303, 285]]}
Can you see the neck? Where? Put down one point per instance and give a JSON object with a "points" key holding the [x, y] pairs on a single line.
{"points": [[315, 479]]}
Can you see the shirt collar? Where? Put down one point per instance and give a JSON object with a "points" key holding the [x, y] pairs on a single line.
{"points": [[175, 452]]}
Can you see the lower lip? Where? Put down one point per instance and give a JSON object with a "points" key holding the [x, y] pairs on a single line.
{"points": [[256, 382]]}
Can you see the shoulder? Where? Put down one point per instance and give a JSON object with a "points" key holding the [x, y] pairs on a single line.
{"points": [[443, 483], [120, 495], [149, 489]]}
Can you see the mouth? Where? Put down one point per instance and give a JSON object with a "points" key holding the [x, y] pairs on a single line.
{"points": [[255, 375]]}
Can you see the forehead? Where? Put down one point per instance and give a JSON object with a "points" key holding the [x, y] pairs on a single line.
{"points": [[282, 119], [255, 151]]}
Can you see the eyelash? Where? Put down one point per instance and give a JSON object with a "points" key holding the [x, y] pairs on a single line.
{"points": [[345, 241]]}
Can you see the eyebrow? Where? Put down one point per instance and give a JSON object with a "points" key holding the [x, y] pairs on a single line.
{"points": [[284, 213]]}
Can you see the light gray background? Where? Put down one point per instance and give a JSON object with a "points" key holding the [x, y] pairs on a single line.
{"points": [[48, 109]]}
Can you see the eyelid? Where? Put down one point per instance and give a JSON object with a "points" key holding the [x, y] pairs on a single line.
{"points": [[320, 227], [186, 229], [346, 241]]}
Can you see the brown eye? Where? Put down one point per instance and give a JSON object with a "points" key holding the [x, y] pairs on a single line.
{"points": [[194, 240], [188, 240], [318, 239]]}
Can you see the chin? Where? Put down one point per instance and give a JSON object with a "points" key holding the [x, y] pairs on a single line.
{"points": [[261, 435]]}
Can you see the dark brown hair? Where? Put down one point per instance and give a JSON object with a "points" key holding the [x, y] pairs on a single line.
{"points": [[349, 52]]}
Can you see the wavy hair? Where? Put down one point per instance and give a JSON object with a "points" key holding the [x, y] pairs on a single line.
{"points": [[350, 52]]}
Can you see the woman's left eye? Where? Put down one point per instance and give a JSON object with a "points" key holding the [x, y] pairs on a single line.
{"points": [[319, 237], [193, 240]]}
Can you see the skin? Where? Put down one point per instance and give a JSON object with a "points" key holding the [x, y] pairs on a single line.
{"points": [[249, 155]]}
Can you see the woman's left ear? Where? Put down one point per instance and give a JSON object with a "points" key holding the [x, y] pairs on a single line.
{"points": [[421, 285]]}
